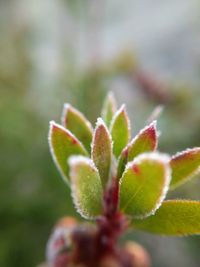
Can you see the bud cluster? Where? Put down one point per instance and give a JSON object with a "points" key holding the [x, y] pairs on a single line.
{"points": [[119, 183]]}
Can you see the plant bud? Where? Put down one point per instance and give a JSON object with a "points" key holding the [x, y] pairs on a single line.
{"points": [[139, 255], [60, 242], [109, 261]]}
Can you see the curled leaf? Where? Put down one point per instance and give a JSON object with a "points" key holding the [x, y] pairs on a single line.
{"points": [[63, 144], [184, 166], [86, 187], [173, 218], [120, 130], [75, 122], [102, 150], [144, 184], [145, 141], [109, 108]]}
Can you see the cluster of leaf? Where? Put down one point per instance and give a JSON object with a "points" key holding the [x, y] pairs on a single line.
{"points": [[89, 159]]}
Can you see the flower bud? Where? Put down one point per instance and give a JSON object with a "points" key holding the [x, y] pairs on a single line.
{"points": [[139, 255], [60, 242], [109, 261]]}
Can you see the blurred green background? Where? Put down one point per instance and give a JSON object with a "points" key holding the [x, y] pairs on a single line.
{"points": [[51, 52]]}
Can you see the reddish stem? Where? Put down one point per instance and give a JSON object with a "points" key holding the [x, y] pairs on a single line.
{"points": [[92, 245]]}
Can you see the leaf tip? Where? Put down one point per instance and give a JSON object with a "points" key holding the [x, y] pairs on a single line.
{"points": [[111, 97], [185, 165], [75, 160], [52, 126], [152, 131], [187, 152], [100, 122], [66, 108], [110, 94], [153, 124], [122, 109]]}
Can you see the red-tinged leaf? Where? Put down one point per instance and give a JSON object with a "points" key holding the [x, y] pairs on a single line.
{"points": [[102, 150], [145, 141], [75, 122], [173, 218], [120, 130], [144, 184], [86, 187], [185, 165], [63, 144], [109, 108]]}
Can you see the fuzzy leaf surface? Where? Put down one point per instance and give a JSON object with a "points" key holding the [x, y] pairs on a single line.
{"points": [[75, 122], [63, 144], [102, 150], [184, 166], [173, 218], [120, 131], [109, 108], [145, 141], [86, 187], [144, 184]]}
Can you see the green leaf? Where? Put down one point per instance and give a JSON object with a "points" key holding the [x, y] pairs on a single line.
{"points": [[120, 130], [86, 187], [144, 184], [185, 165], [63, 144], [109, 108], [102, 150], [173, 218], [75, 122], [145, 141]]}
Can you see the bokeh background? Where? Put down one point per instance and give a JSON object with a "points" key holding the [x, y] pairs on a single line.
{"points": [[146, 51]]}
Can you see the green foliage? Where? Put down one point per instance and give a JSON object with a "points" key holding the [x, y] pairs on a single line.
{"points": [[63, 144], [184, 166], [145, 141], [120, 130], [102, 151], [142, 174], [76, 123], [144, 184], [174, 218], [86, 187], [109, 108]]}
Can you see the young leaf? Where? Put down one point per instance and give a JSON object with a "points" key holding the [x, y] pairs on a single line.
{"points": [[62, 145], [184, 166], [145, 141], [86, 187], [144, 184], [155, 114], [120, 130], [102, 150], [174, 218], [75, 122], [109, 108]]}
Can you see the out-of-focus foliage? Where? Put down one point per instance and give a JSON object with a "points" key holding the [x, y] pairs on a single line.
{"points": [[41, 43]]}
